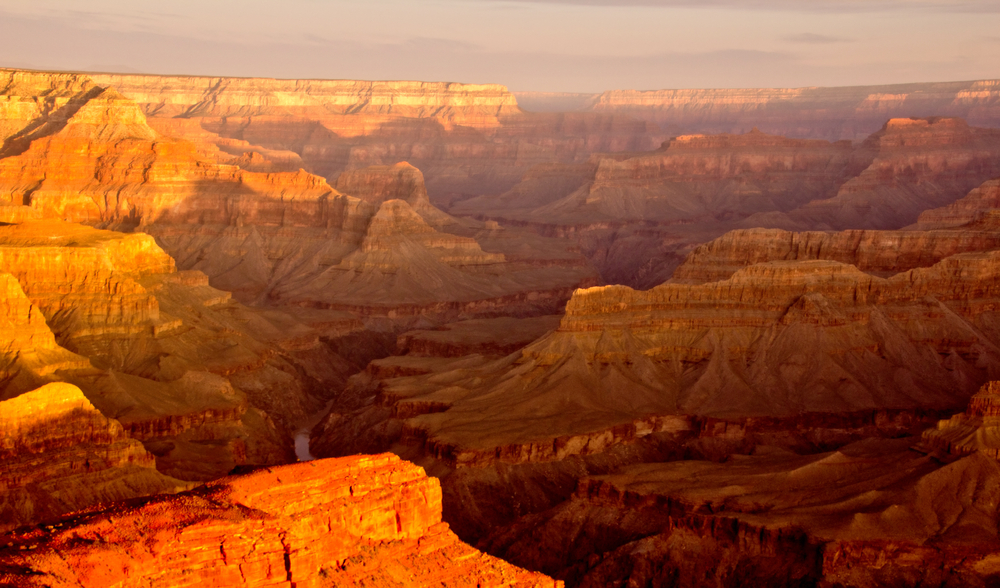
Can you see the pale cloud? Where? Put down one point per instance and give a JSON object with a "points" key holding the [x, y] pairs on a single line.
{"points": [[814, 39]]}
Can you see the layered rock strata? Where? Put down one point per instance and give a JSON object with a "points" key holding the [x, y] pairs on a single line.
{"points": [[775, 340], [871, 514], [880, 253], [285, 238], [469, 139], [816, 113], [637, 215], [183, 368], [359, 520], [973, 208], [977, 430], [918, 164], [60, 454]]}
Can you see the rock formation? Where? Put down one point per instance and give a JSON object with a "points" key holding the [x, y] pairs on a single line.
{"points": [[371, 520], [637, 215], [811, 113], [918, 164], [977, 430], [285, 238], [60, 454], [870, 514], [203, 382], [775, 340], [880, 253], [975, 206]]}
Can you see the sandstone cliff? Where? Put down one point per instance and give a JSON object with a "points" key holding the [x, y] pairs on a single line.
{"points": [[918, 164], [974, 431], [269, 237], [976, 206], [371, 520]]}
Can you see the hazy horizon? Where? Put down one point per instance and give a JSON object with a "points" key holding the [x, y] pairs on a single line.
{"points": [[574, 46]]}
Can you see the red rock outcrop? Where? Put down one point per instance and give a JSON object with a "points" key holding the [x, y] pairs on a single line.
{"points": [[974, 207], [60, 454], [182, 367], [816, 113], [637, 215], [372, 520]]}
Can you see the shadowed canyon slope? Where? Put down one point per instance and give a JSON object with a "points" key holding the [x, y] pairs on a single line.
{"points": [[767, 339]]}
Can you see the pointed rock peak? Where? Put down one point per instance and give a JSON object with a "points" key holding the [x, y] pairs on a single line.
{"points": [[396, 217], [378, 183], [109, 117]]}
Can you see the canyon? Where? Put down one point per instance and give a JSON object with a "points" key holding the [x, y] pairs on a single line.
{"points": [[575, 346]]}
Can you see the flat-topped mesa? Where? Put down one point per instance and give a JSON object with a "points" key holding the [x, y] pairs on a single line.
{"points": [[822, 113], [58, 454], [881, 253], [189, 96], [84, 280], [973, 207], [367, 520]]}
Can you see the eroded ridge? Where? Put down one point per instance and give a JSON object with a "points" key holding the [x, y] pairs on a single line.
{"points": [[372, 520]]}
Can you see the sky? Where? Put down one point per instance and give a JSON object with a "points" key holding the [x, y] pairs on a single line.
{"points": [[527, 45]]}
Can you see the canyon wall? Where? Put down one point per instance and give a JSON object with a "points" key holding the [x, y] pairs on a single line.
{"points": [[61, 454], [371, 520], [814, 113], [637, 215]]}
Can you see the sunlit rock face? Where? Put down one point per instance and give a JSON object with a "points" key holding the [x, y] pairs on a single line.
{"points": [[468, 139], [286, 238], [61, 454], [365, 520]]}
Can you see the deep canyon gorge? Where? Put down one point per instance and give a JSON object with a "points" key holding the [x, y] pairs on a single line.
{"points": [[667, 338]]}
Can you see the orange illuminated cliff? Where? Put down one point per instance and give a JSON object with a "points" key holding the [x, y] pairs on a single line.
{"points": [[365, 520], [279, 238]]}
